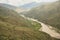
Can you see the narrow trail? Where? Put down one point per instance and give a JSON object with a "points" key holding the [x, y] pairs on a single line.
{"points": [[46, 28]]}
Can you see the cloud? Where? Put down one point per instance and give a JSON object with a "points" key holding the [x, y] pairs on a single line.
{"points": [[22, 2], [47, 0], [2, 1]]}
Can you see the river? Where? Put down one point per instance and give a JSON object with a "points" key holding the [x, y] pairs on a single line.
{"points": [[45, 28]]}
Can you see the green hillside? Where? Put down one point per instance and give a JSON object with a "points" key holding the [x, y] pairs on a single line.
{"points": [[48, 14], [15, 19], [15, 27]]}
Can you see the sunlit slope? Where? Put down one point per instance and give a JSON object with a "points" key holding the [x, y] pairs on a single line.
{"points": [[15, 27], [49, 14], [11, 32]]}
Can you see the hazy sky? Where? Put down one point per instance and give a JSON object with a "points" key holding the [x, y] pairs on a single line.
{"points": [[21, 2]]}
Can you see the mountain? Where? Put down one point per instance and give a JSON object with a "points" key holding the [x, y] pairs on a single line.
{"points": [[8, 6], [15, 8], [15, 27], [32, 5], [48, 14], [29, 5]]}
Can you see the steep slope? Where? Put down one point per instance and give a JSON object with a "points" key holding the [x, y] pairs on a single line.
{"points": [[15, 27], [49, 14], [11, 7], [45, 28], [32, 5], [8, 6], [29, 5], [14, 18]]}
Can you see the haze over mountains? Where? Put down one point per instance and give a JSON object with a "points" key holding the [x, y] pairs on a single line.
{"points": [[32, 5], [15, 27], [29, 5], [22, 2], [25, 3], [8, 6]]}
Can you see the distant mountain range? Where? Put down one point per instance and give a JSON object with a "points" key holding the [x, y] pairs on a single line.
{"points": [[22, 7], [15, 8], [32, 5], [29, 5], [25, 6], [8, 6]]}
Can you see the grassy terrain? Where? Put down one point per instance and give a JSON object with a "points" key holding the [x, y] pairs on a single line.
{"points": [[15, 27], [48, 13], [12, 17], [10, 32]]}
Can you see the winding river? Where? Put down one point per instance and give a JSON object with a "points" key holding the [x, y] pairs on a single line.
{"points": [[45, 28]]}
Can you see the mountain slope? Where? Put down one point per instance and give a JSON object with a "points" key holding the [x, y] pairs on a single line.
{"points": [[29, 5], [12, 17], [8, 6], [49, 14], [11, 7], [15, 27]]}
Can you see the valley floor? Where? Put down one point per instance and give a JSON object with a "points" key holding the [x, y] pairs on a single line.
{"points": [[49, 30], [46, 28]]}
